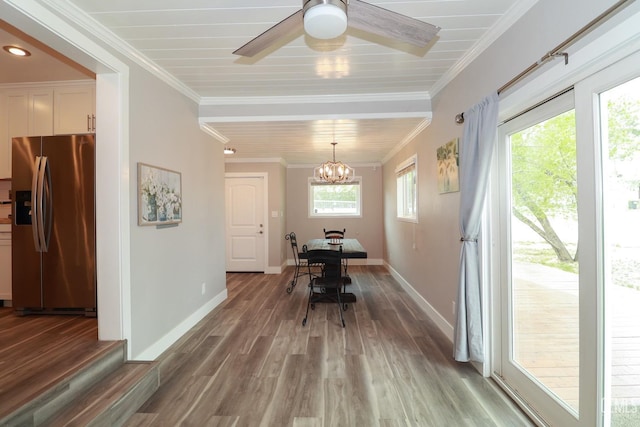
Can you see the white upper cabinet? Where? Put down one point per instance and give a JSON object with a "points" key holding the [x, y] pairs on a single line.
{"points": [[29, 112], [23, 112], [42, 111], [74, 109], [17, 121]]}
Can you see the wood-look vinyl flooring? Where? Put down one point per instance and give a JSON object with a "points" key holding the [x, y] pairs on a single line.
{"points": [[250, 362], [36, 352]]}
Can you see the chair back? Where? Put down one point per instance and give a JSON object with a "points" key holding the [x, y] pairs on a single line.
{"points": [[331, 262], [334, 234], [291, 237]]}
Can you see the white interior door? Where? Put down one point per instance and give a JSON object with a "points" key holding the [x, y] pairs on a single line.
{"points": [[246, 225]]}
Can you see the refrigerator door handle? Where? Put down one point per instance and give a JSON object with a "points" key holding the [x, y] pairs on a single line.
{"points": [[34, 204], [46, 211], [42, 206]]}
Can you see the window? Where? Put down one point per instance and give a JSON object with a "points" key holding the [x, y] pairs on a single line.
{"points": [[407, 189], [335, 199]]}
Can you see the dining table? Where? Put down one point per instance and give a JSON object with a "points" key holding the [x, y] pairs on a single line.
{"points": [[351, 249]]}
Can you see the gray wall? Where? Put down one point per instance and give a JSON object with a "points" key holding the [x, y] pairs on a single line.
{"points": [[432, 267], [169, 266], [368, 229]]}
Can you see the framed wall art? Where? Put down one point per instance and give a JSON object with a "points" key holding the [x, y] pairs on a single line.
{"points": [[159, 195], [447, 156]]}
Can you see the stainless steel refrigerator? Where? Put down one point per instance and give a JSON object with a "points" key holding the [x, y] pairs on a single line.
{"points": [[53, 227]]}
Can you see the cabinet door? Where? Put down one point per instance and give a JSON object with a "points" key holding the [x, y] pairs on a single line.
{"points": [[40, 112], [17, 124], [74, 108], [25, 112]]}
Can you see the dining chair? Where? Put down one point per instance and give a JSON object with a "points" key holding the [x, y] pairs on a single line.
{"points": [[334, 234], [301, 267], [337, 234], [329, 285]]}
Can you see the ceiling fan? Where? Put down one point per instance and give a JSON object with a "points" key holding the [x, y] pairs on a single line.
{"points": [[328, 19]]}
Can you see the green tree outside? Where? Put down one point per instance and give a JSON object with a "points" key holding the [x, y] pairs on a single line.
{"points": [[544, 180]]}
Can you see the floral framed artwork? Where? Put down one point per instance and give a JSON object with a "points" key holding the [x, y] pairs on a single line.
{"points": [[159, 195], [447, 156]]}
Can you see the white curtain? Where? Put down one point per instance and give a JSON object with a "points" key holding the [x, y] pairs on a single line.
{"points": [[476, 147]]}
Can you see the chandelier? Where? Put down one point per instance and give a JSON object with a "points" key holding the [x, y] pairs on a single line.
{"points": [[332, 171]]}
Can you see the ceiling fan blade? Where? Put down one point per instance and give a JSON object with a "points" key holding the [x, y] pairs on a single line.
{"points": [[383, 22], [281, 30]]}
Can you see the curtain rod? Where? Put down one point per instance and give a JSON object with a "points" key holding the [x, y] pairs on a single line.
{"points": [[557, 51]]}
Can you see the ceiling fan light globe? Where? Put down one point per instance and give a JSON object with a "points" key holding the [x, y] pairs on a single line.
{"points": [[325, 21]]}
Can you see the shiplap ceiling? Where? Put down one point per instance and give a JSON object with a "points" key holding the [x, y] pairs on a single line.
{"points": [[370, 94]]}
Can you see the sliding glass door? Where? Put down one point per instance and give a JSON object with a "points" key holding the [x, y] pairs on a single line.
{"points": [[540, 276], [567, 253], [615, 96]]}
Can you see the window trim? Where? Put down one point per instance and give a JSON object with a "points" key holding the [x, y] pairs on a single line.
{"points": [[311, 182], [411, 162]]}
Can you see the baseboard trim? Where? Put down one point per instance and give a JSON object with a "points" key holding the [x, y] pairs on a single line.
{"points": [[156, 349], [442, 323]]}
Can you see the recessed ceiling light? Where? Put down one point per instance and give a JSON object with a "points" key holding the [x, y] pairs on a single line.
{"points": [[17, 51], [229, 150]]}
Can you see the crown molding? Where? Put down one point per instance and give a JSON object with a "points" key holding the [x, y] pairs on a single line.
{"points": [[85, 21], [257, 160], [209, 130], [514, 13], [308, 117], [407, 139], [354, 165], [317, 99]]}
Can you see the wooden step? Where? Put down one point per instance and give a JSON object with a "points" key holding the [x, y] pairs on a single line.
{"points": [[112, 400], [56, 383]]}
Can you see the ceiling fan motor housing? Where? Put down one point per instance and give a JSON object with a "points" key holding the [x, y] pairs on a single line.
{"points": [[325, 19]]}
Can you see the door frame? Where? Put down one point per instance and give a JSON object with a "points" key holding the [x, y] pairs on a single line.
{"points": [[265, 208]]}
